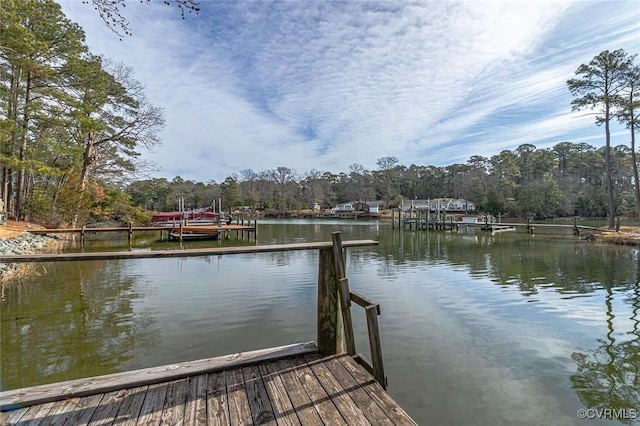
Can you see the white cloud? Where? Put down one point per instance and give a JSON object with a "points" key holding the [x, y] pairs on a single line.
{"points": [[324, 85]]}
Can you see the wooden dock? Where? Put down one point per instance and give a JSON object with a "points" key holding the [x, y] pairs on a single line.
{"points": [[321, 382], [175, 231], [293, 385]]}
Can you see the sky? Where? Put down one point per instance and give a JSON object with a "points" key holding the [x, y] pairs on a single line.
{"points": [[322, 85]]}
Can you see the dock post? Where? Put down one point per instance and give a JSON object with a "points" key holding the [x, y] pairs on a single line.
{"points": [[82, 235], [327, 316], [181, 231], [344, 295], [576, 230], [400, 218], [130, 232], [393, 218]]}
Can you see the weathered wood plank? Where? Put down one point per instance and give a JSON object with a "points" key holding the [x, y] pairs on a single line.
{"points": [[377, 393], [239, 409], [319, 397], [57, 413], [374, 345], [360, 396], [35, 415], [300, 400], [102, 384], [151, 411], [261, 409], [155, 254], [340, 396], [359, 299], [217, 401], [106, 412], [130, 405], [81, 410], [174, 402], [195, 409], [282, 408], [12, 417]]}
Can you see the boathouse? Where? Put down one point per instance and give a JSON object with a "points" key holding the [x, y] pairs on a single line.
{"points": [[447, 205]]}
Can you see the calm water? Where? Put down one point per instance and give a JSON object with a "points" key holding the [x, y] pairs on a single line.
{"points": [[476, 329]]}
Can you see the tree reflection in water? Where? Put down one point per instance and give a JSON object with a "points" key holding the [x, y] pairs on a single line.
{"points": [[607, 377]]}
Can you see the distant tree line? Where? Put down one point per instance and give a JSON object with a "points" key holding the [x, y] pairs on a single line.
{"points": [[565, 180]]}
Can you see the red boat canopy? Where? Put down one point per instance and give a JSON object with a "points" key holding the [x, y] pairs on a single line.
{"points": [[178, 216]]}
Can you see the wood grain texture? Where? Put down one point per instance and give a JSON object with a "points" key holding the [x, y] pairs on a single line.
{"points": [[217, 401], [159, 254], [102, 384]]}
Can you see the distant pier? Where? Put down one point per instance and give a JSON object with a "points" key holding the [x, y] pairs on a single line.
{"points": [[174, 231]]}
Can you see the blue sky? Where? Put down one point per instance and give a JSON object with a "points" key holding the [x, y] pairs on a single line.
{"points": [[322, 85]]}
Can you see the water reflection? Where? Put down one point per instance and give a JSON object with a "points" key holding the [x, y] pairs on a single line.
{"points": [[56, 331], [608, 376]]}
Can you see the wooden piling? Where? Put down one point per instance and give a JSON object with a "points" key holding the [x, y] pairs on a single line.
{"points": [[344, 297], [327, 321]]}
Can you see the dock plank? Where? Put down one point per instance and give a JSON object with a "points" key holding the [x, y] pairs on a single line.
{"points": [[319, 397], [374, 413], [81, 410], [258, 397], [377, 393], [12, 417], [106, 412], [132, 401], [160, 254], [195, 409], [300, 399], [174, 402], [339, 395], [57, 413], [151, 411], [281, 403], [239, 409], [217, 401], [35, 415]]}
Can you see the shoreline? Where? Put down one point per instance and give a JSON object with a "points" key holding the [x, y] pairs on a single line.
{"points": [[15, 238], [23, 243]]}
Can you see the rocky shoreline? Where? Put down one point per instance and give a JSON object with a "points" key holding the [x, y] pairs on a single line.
{"points": [[24, 243]]}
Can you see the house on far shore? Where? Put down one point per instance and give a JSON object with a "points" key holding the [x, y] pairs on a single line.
{"points": [[447, 205], [364, 208]]}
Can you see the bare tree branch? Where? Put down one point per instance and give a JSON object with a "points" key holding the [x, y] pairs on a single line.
{"points": [[111, 12]]}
